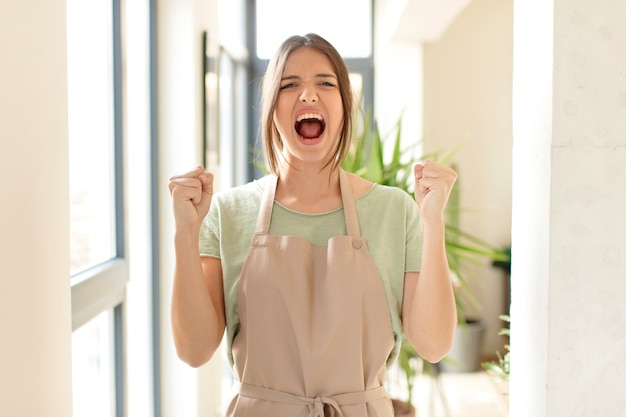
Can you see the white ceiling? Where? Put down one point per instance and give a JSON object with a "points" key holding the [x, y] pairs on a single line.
{"points": [[419, 20]]}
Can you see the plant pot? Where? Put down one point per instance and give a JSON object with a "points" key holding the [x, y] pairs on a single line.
{"points": [[465, 354], [402, 408]]}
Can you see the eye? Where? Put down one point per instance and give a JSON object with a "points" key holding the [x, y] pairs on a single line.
{"points": [[328, 84], [287, 86]]}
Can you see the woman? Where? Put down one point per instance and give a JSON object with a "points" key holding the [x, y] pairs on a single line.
{"points": [[313, 272]]}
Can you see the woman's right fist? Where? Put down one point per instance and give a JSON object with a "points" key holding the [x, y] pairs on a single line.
{"points": [[191, 196]]}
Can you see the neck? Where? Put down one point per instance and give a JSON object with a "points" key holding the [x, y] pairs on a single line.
{"points": [[309, 190]]}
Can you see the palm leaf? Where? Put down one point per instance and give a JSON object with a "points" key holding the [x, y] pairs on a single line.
{"points": [[366, 159]]}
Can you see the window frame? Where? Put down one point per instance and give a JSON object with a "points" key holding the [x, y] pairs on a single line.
{"points": [[102, 287], [363, 66]]}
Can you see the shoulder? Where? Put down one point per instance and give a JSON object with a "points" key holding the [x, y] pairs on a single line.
{"points": [[248, 193], [388, 195], [391, 203], [359, 185], [235, 209], [368, 189], [231, 205]]}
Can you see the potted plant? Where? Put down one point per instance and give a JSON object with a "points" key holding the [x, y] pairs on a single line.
{"points": [[367, 159], [408, 362], [500, 368]]}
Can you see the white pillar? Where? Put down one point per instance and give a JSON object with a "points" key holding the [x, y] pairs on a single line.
{"points": [[569, 193], [185, 391], [35, 319]]}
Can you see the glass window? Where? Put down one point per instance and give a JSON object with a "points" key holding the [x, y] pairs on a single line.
{"points": [[345, 24], [98, 269], [356, 80], [278, 19], [91, 132], [93, 368]]}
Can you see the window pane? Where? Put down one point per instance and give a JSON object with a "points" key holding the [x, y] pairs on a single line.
{"points": [[92, 368], [90, 109], [345, 24], [356, 80]]}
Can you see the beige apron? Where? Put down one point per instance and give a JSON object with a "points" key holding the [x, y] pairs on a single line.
{"points": [[315, 325]]}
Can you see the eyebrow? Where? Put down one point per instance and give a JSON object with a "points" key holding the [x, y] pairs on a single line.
{"points": [[320, 75]]}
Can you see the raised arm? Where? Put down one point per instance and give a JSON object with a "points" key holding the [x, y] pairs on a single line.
{"points": [[197, 309], [428, 309]]}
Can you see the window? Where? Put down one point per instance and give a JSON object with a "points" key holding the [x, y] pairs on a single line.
{"points": [[91, 128], [345, 24], [98, 268], [226, 70], [348, 25], [93, 367]]}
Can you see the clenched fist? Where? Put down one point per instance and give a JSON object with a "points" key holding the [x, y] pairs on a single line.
{"points": [[191, 197], [433, 183]]}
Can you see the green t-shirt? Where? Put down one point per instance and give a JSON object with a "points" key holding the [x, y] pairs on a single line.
{"points": [[388, 217]]}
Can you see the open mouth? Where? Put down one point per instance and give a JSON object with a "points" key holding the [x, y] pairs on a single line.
{"points": [[310, 125]]}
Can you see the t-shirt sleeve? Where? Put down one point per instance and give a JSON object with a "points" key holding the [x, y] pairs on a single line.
{"points": [[209, 242], [414, 236]]}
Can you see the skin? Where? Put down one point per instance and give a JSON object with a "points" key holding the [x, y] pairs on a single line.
{"points": [[308, 184]]}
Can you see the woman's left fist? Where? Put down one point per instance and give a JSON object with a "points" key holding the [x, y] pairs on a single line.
{"points": [[433, 184]]}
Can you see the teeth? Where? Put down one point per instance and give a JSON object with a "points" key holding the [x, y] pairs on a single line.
{"points": [[309, 116]]}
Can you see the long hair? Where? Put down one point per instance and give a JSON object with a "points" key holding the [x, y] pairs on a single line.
{"points": [[272, 143]]}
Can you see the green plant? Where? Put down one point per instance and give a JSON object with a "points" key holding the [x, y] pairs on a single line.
{"points": [[411, 365], [367, 159], [408, 362], [500, 368]]}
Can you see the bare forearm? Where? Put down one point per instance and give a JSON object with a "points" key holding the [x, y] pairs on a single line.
{"points": [[432, 318], [196, 323]]}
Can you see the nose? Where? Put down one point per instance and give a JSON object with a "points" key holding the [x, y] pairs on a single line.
{"points": [[309, 94]]}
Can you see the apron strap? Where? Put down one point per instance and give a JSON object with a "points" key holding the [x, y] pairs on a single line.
{"points": [[347, 198], [265, 210], [349, 205], [315, 405]]}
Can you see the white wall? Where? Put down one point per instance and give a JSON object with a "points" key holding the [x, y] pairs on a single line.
{"points": [[178, 127], [35, 320], [467, 97], [568, 319], [532, 143], [138, 302], [185, 391], [569, 105], [398, 88]]}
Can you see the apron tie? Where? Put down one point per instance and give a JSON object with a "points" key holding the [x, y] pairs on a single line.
{"points": [[317, 408], [315, 405]]}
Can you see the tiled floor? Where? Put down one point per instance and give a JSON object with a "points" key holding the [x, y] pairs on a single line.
{"points": [[472, 394]]}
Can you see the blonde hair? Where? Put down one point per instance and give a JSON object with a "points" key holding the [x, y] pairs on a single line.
{"points": [[272, 143]]}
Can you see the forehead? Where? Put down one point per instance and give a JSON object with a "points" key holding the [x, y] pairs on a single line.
{"points": [[307, 61]]}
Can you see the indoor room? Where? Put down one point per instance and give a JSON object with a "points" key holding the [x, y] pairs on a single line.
{"points": [[103, 101]]}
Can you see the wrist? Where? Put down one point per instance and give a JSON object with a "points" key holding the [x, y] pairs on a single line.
{"points": [[437, 223], [434, 233], [186, 238]]}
